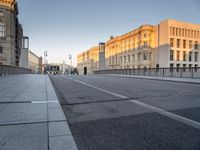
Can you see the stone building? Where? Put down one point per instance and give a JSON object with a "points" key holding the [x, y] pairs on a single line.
{"points": [[34, 62], [171, 43], [88, 61], [11, 32]]}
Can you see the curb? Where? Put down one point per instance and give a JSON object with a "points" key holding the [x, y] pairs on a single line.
{"points": [[59, 133]]}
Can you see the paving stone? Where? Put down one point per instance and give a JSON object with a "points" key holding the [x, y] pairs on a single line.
{"points": [[22, 113], [62, 143], [24, 137], [59, 129]]}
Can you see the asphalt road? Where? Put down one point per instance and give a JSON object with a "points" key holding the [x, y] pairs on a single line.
{"points": [[116, 113]]}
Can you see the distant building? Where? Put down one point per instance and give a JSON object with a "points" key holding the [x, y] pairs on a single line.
{"points": [[88, 61], [31, 61], [171, 43], [34, 62], [57, 68], [11, 32]]}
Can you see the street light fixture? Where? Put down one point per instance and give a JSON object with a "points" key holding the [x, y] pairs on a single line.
{"points": [[45, 56], [70, 58]]}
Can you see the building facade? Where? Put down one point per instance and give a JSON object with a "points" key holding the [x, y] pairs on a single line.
{"points": [[34, 62], [171, 43], [30, 60], [88, 61], [11, 32], [57, 68]]}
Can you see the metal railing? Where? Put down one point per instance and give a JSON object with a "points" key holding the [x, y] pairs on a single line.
{"points": [[190, 72], [10, 70]]}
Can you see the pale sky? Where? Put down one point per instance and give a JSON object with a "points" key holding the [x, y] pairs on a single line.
{"points": [[64, 27]]}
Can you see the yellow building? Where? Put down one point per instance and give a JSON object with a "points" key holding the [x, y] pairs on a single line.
{"points": [[171, 43], [88, 61]]}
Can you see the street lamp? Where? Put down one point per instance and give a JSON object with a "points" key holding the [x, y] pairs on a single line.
{"points": [[45, 55], [70, 58]]}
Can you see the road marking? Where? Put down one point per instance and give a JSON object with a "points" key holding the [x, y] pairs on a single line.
{"points": [[161, 111], [43, 102]]}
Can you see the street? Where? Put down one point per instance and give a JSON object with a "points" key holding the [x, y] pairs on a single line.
{"points": [[117, 113]]}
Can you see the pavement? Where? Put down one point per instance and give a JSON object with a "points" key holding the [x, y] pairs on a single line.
{"points": [[31, 117], [172, 79], [97, 112], [120, 113]]}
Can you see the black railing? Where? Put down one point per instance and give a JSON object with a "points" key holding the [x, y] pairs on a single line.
{"points": [[190, 72], [10, 70]]}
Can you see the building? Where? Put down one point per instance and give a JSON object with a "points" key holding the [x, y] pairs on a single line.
{"points": [[57, 68], [31, 61], [11, 32], [34, 62], [88, 61], [171, 43]]}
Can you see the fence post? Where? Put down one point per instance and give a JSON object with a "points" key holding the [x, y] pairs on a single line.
{"points": [[192, 73], [181, 73], [163, 72]]}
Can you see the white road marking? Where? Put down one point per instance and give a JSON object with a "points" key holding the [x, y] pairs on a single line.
{"points": [[43, 102], [161, 111]]}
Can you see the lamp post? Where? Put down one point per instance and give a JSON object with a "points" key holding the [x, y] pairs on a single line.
{"points": [[70, 58], [45, 55]]}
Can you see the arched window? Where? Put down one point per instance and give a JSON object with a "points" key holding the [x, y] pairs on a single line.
{"points": [[2, 30]]}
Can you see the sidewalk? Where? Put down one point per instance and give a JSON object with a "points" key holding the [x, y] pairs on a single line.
{"points": [[171, 79], [31, 117]]}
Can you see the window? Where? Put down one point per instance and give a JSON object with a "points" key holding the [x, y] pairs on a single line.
{"points": [[178, 55], [184, 55], [171, 31], [192, 33], [190, 56], [2, 30], [186, 33], [1, 50], [171, 55], [195, 33], [196, 45], [171, 42], [145, 45], [133, 58], [183, 32], [129, 58], [120, 59], [1, 13], [145, 56], [189, 32], [138, 56], [145, 35], [150, 55], [196, 56], [178, 43], [179, 32], [124, 59], [184, 43], [190, 44]]}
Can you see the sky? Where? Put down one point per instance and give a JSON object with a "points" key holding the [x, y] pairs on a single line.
{"points": [[64, 27]]}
